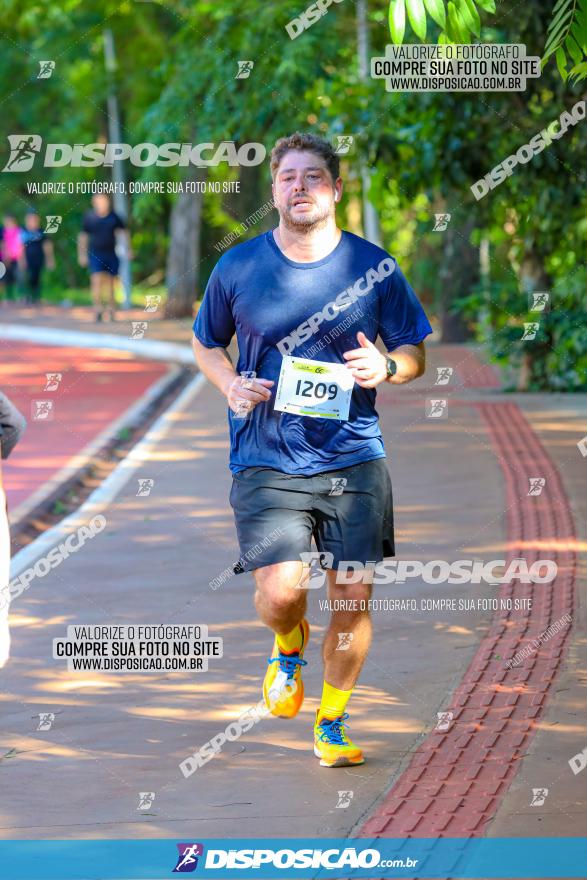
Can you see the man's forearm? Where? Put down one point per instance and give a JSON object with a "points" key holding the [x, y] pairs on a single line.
{"points": [[411, 363], [215, 364]]}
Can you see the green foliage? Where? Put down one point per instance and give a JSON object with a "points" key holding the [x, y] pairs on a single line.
{"points": [[397, 21], [556, 359], [459, 21], [176, 82], [436, 11], [567, 38]]}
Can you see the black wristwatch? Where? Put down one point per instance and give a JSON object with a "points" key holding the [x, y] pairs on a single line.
{"points": [[391, 367]]}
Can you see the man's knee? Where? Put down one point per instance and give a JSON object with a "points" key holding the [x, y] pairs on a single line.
{"points": [[356, 596], [278, 586]]}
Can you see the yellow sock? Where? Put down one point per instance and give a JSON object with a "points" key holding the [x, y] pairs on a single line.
{"points": [[333, 702], [291, 641]]}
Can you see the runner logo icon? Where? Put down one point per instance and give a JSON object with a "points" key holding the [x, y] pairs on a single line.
{"points": [[53, 223], [314, 565], [187, 860], [539, 795], [46, 720], [46, 69], [441, 222], [338, 485], [23, 149], [344, 144]]}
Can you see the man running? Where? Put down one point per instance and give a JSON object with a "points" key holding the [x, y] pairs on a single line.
{"points": [[102, 230], [307, 302]]}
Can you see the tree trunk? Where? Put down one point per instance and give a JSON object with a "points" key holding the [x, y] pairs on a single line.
{"points": [[254, 193], [371, 224], [458, 274], [183, 258], [533, 278]]}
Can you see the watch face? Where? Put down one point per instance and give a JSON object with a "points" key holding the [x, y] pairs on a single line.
{"points": [[391, 367]]}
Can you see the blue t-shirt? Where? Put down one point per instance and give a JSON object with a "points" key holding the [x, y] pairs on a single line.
{"points": [[313, 310]]}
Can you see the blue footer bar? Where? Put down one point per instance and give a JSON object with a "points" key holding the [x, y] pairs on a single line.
{"points": [[284, 858]]}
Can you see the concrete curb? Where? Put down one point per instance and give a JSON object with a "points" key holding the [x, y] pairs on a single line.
{"points": [[153, 349]]}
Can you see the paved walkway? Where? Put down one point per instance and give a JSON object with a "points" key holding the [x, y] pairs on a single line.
{"points": [[460, 487], [82, 318]]}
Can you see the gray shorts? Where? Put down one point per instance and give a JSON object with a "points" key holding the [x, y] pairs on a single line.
{"points": [[348, 513]]}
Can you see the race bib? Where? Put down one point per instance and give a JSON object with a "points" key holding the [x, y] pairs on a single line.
{"points": [[314, 388]]}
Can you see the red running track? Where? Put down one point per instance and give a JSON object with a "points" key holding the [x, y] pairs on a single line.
{"points": [[457, 779], [97, 387]]}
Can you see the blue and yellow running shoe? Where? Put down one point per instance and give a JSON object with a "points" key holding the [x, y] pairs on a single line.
{"points": [[332, 745], [283, 688]]}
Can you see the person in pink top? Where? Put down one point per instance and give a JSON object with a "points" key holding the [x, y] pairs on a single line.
{"points": [[12, 250]]}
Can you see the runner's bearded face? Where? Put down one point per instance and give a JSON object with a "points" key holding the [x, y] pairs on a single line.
{"points": [[303, 191]]}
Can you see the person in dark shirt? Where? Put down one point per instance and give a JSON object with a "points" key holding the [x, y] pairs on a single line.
{"points": [[102, 231], [38, 253]]}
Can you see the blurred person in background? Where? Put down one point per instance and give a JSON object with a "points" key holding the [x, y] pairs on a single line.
{"points": [[102, 231], [38, 253], [12, 425], [11, 251]]}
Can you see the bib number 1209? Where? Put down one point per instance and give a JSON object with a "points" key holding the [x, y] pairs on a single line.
{"points": [[315, 389], [306, 388]]}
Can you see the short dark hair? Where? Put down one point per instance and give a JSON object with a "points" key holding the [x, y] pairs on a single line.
{"points": [[303, 141]]}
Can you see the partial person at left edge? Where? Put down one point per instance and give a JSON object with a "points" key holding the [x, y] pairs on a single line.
{"points": [[12, 425]]}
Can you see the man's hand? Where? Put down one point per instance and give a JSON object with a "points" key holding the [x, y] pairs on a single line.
{"points": [[244, 394], [366, 363]]}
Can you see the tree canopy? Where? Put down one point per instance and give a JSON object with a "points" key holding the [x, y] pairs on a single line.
{"points": [[176, 81]]}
